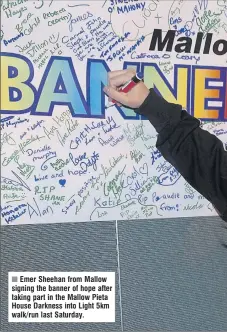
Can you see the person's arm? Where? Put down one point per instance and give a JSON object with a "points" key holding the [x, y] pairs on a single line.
{"points": [[199, 156]]}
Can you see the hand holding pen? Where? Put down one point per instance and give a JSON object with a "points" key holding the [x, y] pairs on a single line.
{"points": [[126, 87]]}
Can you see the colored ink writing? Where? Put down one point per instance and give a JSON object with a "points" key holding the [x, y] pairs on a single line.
{"points": [[64, 155]]}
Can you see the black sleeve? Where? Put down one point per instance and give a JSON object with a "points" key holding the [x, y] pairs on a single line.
{"points": [[199, 156]]}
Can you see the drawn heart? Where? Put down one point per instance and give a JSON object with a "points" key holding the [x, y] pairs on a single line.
{"points": [[144, 169], [62, 182]]}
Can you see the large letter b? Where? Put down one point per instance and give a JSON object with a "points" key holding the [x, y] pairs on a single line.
{"points": [[17, 92]]}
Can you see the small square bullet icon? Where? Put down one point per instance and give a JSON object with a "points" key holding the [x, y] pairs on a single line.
{"points": [[14, 279]]}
